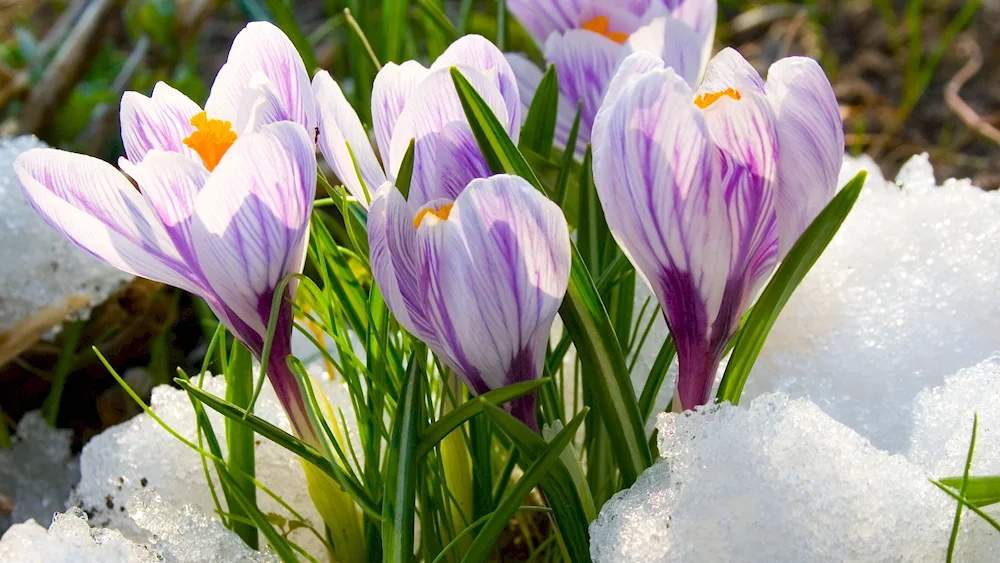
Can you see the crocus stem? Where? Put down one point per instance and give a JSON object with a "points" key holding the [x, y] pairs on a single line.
{"points": [[240, 441]]}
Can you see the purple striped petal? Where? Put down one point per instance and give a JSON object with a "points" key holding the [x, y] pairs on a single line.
{"points": [[430, 108], [262, 48], [458, 160], [688, 194], [392, 88], [498, 268], [529, 76], [810, 144], [479, 53], [673, 41], [170, 183], [252, 218], [544, 17], [585, 62], [699, 15], [95, 206], [262, 105], [340, 127], [729, 69], [396, 262], [160, 122]]}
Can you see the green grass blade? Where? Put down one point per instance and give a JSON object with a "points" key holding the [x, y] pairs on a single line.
{"points": [[790, 273], [597, 346], [399, 499], [287, 441], [436, 15], [961, 491], [405, 175], [568, 496], [980, 491], [654, 381], [445, 425], [394, 24], [240, 442], [60, 373], [547, 459], [539, 129], [249, 508], [965, 502], [561, 190]]}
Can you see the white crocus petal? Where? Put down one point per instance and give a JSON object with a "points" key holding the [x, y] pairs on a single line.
{"points": [[381, 252], [810, 144], [673, 41], [432, 106], [95, 206], [262, 105], [160, 122], [498, 269], [340, 127], [252, 218], [392, 88], [262, 47], [170, 182], [728, 69], [475, 51], [585, 62], [544, 17]]}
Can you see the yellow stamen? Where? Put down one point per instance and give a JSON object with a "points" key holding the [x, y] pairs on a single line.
{"points": [[705, 100], [211, 139], [440, 213], [601, 25]]}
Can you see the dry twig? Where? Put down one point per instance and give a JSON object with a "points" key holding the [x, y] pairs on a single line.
{"points": [[955, 101]]}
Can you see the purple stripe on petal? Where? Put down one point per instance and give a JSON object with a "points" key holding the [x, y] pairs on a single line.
{"points": [[544, 17], [393, 86], [673, 41], [160, 122]]}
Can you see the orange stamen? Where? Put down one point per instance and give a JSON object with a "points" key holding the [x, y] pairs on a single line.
{"points": [[211, 139], [441, 213], [600, 25], [705, 100]]}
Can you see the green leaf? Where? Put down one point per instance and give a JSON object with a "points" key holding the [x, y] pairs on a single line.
{"points": [[565, 171], [287, 441], [790, 273], [962, 490], [249, 508], [337, 275], [445, 425], [285, 19], [600, 353], [567, 497], [980, 491], [654, 381], [582, 310], [547, 459], [399, 499], [539, 128], [967, 504], [240, 440], [440, 19], [405, 175], [394, 27]]}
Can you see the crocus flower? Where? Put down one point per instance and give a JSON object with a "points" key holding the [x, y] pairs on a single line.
{"points": [[707, 189], [224, 194], [410, 101], [478, 278], [586, 40]]}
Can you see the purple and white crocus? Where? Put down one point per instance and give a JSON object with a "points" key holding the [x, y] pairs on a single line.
{"points": [[413, 102], [707, 189], [587, 40], [224, 195], [479, 278]]}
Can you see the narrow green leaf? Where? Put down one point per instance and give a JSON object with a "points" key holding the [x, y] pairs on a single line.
{"points": [[394, 24], [499, 150], [562, 182], [962, 490], [249, 508], [980, 491], [570, 499], [439, 18], [339, 276], [285, 19], [445, 425], [967, 504], [287, 441], [240, 441], [539, 129], [405, 175], [597, 345], [399, 499], [654, 381], [547, 459], [790, 273]]}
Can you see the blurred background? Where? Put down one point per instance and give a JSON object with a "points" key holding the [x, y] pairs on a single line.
{"points": [[912, 76]]}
